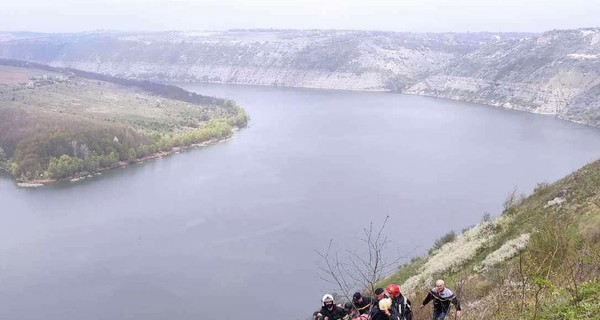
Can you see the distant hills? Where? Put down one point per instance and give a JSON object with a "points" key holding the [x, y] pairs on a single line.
{"points": [[556, 72]]}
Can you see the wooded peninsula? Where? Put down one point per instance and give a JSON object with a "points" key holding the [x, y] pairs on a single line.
{"points": [[58, 124]]}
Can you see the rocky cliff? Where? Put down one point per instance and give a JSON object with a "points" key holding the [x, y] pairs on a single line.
{"points": [[358, 60], [557, 72]]}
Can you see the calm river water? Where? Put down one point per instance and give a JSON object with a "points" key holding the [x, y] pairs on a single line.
{"points": [[230, 231]]}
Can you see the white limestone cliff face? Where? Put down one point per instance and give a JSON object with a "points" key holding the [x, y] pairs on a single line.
{"points": [[270, 76], [358, 60], [556, 73]]}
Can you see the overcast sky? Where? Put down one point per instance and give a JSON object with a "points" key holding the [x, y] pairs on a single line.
{"points": [[392, 15]]}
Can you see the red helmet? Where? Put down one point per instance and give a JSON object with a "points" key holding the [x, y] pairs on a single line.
{"points": [[393, 290]]}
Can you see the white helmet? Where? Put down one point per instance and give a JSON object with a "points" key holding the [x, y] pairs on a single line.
{"points": [[327, 297]]}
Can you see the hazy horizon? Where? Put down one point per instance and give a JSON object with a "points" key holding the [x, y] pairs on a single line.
{"points": [[273, 29], [422, 16]]}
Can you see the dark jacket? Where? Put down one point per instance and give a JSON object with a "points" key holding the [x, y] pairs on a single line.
{"points": [[334, 314], [402, 304], [377, 314], [364, 306], [441, 301]]}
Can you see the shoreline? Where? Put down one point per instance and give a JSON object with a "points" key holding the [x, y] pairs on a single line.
{"points": [[121, 164], [481, 103], [499, 106], [176, 82]]}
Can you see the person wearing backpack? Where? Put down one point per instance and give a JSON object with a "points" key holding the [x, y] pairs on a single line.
{"points": [[399, 302]]}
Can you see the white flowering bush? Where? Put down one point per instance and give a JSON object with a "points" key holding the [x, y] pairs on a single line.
{"points": [[505, 252], [458, 252]]}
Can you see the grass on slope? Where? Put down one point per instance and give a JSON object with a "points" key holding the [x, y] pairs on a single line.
{"points": [[539, 260]]}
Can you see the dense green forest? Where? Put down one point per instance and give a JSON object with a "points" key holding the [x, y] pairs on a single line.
{"points": [[44, 137], [54, 150]]}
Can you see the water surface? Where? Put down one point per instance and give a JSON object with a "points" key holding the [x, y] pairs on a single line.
{"points": [[229, 231]]}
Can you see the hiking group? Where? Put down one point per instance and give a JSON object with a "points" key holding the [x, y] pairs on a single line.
{"points": [[388, 304]]}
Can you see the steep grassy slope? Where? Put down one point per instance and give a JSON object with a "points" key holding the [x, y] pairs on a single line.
{"points": [[56, 125], [540, 259]]}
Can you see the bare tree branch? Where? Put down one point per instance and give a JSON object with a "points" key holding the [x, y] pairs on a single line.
{"points": [[357, 270]]}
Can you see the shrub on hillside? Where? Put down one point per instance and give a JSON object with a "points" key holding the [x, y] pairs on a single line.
{"points": [[448, 237]]}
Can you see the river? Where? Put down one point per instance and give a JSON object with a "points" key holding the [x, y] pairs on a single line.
{"points": [[230, 231]]}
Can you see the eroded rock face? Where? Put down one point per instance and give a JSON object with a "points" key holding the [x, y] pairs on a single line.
{"points": [[557, 72], [358, 60]]}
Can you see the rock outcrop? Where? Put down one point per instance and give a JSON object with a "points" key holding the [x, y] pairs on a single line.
{"points": [[557, 72]]}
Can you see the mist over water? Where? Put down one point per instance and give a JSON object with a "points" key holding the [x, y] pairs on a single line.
{"points": [[230, 230]]}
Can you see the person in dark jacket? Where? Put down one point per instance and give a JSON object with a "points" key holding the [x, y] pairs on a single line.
{"points": [[400, 302], [384, 310], [362, 304], [442, 297], [329, 311], [379, 294]]}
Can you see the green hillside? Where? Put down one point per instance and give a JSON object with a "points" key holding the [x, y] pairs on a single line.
{"points": [[56, 124], [540, 259]]}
